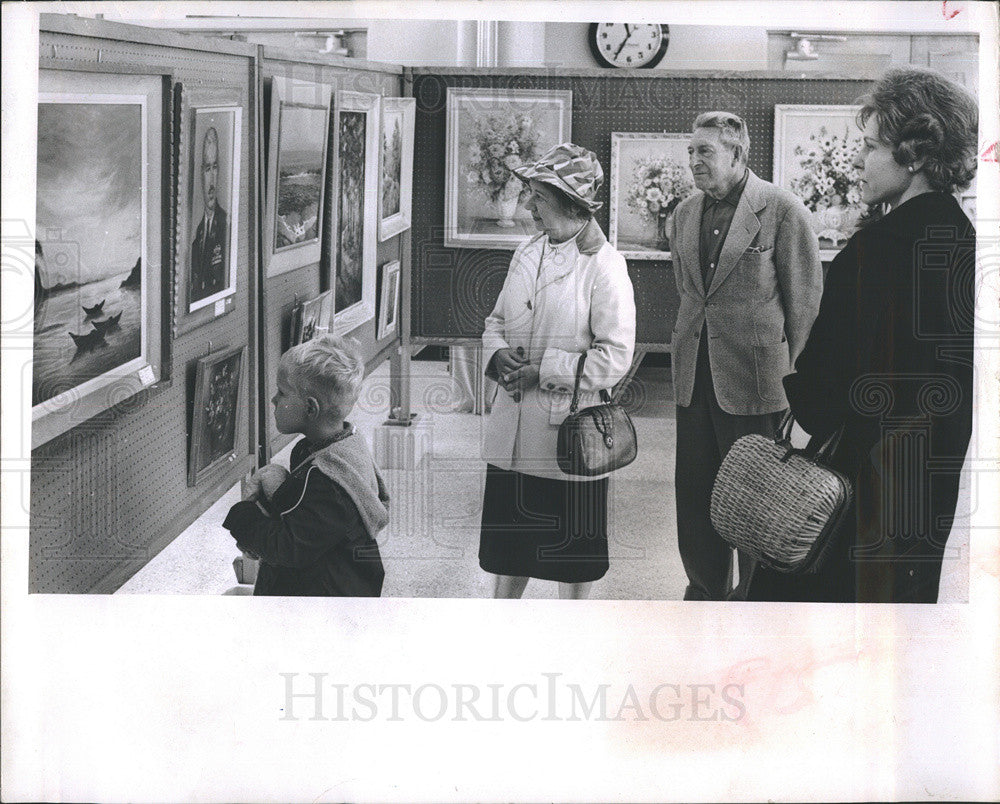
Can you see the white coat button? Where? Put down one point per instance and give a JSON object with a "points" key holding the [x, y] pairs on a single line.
{"points": [[715, 232]]}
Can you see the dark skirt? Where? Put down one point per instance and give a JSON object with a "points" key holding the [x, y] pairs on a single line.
{"points": [[536, 527]]}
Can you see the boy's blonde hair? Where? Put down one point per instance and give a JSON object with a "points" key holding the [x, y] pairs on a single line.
{"points": [[329, 368]]}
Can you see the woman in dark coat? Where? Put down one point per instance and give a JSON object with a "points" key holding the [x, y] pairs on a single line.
{"points": [[890, 354]]}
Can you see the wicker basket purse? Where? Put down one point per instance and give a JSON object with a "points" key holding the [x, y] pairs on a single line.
{"points": [[778, 504]]}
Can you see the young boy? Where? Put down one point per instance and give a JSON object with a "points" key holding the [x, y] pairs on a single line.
{"points": [[314, 528]]}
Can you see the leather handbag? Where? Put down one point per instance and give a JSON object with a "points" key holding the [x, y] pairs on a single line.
{"points": [[780, 505], [595, 440]]}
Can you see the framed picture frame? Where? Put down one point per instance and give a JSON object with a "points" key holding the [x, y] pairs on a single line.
{"points": [[354, 208], [103, 249], [314, 318], [395, 192], [388, 304], [298, 139], [813, 150], [209, 203], [650, 176], [216, 411], [489, 132]]}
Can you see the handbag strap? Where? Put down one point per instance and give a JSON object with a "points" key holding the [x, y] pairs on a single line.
{"points": [[605, 396]]}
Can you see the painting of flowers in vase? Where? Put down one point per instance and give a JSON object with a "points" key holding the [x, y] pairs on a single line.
{"points": [[650, 176], [814, 152], [490, 133]]}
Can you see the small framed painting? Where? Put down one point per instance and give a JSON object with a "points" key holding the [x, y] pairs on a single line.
{"points": [[297, 153], [395, 191], [314, 318], [650, 176], [489, 133], [215, 419], [388, 305], [354, 208]]}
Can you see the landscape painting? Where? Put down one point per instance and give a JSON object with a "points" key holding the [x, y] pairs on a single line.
{"points": [[297, 155], [301, 153], [89, 301], [396, 166]]}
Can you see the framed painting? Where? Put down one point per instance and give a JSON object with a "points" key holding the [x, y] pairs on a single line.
{"points": [[814, 151], [489, 133], [354, 209], [215, 418], [650, 176], [104, 198], [388, 304], [395, 190], [314, 318], [209, 203], [297, 156]]}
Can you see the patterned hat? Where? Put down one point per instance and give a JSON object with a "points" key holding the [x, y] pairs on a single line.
{"points": [[572, 169]]}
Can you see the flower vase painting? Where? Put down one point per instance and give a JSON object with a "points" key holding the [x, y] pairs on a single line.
{"points": [[490, 134], [814, 152], [649, 178]]}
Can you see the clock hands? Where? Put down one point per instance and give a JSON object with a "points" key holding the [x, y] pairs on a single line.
{"points": [[628, 35]]}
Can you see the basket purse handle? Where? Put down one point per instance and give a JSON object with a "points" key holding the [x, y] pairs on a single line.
{"points": [[575, 404], [783, 437]]}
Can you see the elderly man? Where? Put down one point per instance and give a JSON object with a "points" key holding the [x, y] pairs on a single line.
{"points": [[209, 263], [750, 279]]}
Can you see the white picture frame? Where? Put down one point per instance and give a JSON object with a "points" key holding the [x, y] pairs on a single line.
{"points": [[388, 306], [395, 193], [299, 110], [799, 126], [471, 219], [636, 158]]}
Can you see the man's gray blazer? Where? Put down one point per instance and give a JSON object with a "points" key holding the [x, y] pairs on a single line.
{"points": [[760, 305]]}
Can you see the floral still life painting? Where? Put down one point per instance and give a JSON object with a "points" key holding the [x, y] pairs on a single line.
{"points": [[489, 134], [814, 152], [649, 178]]}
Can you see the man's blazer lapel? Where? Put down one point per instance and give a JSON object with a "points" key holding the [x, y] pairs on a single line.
{"points": [[742, 231]]}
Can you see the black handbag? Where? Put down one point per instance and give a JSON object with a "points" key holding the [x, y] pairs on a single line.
{"points": [[780, 505], [595, 440]]}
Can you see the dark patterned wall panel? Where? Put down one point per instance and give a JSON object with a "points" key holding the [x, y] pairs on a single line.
{"points": [[453, 290]]}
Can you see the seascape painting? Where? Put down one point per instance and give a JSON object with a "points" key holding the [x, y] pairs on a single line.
{"points": [[301, 154], [349, 242], [89, 310]]}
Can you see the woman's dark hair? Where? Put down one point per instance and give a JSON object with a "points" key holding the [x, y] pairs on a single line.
{"points": [[923, 115]]}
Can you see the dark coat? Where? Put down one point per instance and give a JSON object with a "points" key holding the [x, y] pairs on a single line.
{"points": [[210, 256], [890, 356]]}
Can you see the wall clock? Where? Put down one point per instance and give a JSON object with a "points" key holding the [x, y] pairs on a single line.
{"points": [[622, 44]]}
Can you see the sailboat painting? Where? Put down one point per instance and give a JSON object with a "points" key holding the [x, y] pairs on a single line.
{"points": [[89, 251]]}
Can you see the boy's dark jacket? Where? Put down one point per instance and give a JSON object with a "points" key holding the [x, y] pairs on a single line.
{"points": [[318, 537]]}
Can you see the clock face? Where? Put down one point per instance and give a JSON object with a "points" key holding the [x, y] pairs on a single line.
{"points": [[622, 44]]}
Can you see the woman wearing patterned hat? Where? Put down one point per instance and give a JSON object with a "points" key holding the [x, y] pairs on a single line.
{"points": [[567, 293]]}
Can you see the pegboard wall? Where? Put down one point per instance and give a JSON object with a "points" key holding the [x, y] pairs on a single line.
{"points": [[453, 290], [283, 291], [112, 492]]}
